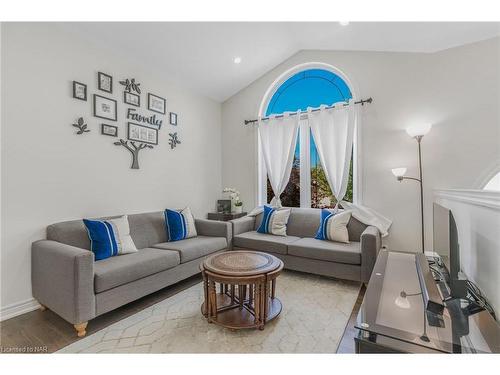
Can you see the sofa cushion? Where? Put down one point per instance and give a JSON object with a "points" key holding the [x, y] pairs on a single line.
{"points": [[179, 224], [312, 248], [264, 242], [194, 247], [333, 226], [122, 269], [145, 229], [110, 237], [274, 221]]}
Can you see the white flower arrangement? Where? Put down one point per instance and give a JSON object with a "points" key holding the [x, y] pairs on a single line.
{"points": [[235, 196]]}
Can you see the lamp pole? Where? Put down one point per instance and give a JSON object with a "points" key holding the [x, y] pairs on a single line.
{"points": [[399, 173], [419, 139]]}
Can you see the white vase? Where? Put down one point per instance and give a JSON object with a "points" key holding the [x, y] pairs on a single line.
{"points": [[238, 209]]}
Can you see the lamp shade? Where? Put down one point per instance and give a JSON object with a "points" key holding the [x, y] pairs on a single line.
{"points": [[399, 172], [418, 130]]}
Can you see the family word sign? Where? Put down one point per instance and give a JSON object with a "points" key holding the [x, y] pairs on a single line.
{"points": [[151, 120]]}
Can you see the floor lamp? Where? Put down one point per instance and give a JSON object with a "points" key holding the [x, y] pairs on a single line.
{"points": [[418, 133]]}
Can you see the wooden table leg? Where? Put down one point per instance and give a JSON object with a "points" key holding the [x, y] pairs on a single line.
{"points": [[273, 288], [213, 301], [257, 303], [250, 295], [263, 298], [205, 291], [240, 296], [232, 293]]}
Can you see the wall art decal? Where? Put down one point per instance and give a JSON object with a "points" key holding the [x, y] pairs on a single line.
{"points": [[157, 104], [151, 121], [110, 130], [141, 133], [174, 140], [134, 150], [104, 107], [131, 85], [132, 99], [79, 91], [105, 82], [82, 127], [173, 118]]}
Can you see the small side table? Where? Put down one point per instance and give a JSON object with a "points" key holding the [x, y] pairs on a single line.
{"points": [[225, 216]]}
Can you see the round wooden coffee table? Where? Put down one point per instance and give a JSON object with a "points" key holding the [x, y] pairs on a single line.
{"points": [[247, 289]]}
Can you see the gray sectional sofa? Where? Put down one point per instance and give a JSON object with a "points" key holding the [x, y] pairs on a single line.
{"points": [[300, 251], [67, 280]]}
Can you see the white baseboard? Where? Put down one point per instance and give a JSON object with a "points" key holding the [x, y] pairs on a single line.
{"points": [[18, 308]]}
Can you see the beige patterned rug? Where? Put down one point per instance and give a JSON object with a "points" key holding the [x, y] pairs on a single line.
{"points": [[315, 312]]}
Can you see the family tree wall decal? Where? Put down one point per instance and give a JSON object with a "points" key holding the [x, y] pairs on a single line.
{"points": [[143, 132], [134, 150]]}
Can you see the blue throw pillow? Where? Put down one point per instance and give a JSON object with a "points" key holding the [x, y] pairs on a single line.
{"points": [[179, 225], [274, 221], [109, 237], [333, 226]]}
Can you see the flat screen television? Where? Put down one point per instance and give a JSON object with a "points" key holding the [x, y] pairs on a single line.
{"points": [[445, 239]]}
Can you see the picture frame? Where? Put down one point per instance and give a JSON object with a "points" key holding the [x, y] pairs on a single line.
{"points": [[224, 206], [173, 118], [79, 91], [105, 82], [157, 104], [105, 108], [132, 99], [109, 130], [141, 133]]}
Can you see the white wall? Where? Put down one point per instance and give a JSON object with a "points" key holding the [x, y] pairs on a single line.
{"points": [[456, 90], [477, 214], [49, 174]]}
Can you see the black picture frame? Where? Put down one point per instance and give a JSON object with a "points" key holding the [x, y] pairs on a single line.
{"points": [[224, 206], [96, 96], [173, 118], [125, 94], [75, 84], [153, 96], [99, 85], [109, 126], [132, 125]]}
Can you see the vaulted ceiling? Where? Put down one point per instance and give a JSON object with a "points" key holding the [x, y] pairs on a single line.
{"points": [[200, 55]]}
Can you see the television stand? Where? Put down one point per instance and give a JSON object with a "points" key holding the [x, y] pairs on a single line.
{"points": [[390, 321]]}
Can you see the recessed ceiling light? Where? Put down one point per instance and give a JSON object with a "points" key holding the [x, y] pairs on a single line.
{"points": [[344, 23], [237, 60]]}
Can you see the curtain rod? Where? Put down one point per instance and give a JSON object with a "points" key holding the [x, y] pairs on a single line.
{"points": [[362, 102]]}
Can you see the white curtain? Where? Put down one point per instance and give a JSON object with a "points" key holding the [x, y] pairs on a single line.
{"points": [[278, 137], [333, 132]]}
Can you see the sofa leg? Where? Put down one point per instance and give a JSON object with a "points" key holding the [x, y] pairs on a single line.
{"points": [[42, 307], [80, 329]]}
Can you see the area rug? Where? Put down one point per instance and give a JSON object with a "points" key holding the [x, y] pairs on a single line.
{"points": [[315, 312]]}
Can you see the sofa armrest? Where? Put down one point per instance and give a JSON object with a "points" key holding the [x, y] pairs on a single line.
{"points": [[214, 228], [243, 224], [62, 278], [370, 246]]}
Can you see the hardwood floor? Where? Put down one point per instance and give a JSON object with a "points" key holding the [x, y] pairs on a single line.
{"points": [[45, 332]]}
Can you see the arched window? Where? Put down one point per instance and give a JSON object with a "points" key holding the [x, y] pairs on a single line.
{"points": [[494, 183], [308, 87]]}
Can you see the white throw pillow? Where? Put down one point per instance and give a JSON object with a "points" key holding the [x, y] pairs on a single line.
{"points": [[274, 221], [333, 227], [122, 229]]}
